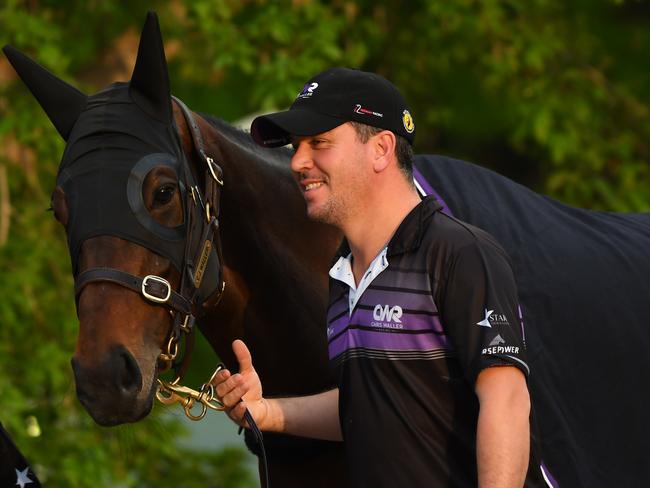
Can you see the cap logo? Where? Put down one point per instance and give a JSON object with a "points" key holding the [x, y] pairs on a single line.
{"points": [[364, 111], [307, 90], [409, 125]]}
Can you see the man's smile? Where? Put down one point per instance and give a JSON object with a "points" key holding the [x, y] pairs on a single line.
{"points": [[312, 186]]}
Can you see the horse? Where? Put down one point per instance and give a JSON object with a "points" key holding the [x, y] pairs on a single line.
{"points": [[274, 258], [274, 262]]}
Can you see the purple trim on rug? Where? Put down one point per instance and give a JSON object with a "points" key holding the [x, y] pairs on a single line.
{"points": [[549, 477], [428, 189]]}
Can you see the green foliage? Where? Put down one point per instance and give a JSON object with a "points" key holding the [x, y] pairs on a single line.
{"points": [[548, 92]]}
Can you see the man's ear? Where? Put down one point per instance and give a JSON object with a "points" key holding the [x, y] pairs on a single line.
{"points": [[383, 145]]}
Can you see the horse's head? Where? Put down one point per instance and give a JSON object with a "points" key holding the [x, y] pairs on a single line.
{"points": [[128, 201]]}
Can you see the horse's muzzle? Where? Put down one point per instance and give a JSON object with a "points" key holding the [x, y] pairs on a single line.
{"points": [[110, 389]]}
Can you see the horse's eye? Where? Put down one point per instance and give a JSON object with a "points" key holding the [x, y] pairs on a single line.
{"points": [[164, 195]]}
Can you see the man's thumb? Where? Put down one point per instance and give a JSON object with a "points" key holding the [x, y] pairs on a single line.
{"points": [[243, 356]]}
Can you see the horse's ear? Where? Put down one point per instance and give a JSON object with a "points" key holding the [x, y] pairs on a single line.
{"points": [[149, 86], [62, 102]]}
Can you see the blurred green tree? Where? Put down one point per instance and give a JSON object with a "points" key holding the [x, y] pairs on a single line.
{"points": [[549, 93]]}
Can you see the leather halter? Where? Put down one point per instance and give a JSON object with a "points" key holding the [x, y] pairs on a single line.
{"points": [[202, 212]]}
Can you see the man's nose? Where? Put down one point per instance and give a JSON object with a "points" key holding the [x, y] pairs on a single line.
{"points": [[302, 158]]}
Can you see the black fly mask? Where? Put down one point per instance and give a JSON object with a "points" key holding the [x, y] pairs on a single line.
{"points": [[114, 139], [110, 151]]}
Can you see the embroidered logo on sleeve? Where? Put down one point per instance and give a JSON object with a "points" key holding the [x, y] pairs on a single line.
{"points": [[498, 346], [497, 341], [492, 319], [496, 350]]}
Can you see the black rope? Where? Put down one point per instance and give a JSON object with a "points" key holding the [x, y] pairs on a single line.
{"points": [[259, 439]]}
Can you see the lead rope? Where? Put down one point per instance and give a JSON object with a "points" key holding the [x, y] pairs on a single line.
{"points": [[200, 149], [257, 433]]}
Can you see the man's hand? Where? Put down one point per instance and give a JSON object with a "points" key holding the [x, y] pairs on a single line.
{"points": [[242, 390], [308, 416]]}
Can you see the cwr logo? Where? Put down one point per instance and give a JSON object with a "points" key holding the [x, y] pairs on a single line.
{"points": [[387, 313]]}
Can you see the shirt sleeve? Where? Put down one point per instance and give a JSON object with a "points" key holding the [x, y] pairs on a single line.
{"points": [[480, 311]]}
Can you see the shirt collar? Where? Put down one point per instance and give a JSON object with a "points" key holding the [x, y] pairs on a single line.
{"points": [[408, 235], [342, 271]]}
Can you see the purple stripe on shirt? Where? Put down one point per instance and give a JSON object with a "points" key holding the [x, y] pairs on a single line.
{"points": [[339, 308], [521, 322], [411, 280], [405, 299], [405, 322], [353, 338], [428, 189]]}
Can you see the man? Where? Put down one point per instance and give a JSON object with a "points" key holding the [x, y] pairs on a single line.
{"points": [[423, 322]]}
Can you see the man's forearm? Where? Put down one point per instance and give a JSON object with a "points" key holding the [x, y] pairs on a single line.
{"points": [[503, 434], [308, 416], [313, 416]]}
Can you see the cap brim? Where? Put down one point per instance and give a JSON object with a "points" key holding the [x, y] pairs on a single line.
{"points": [[275, 130]]}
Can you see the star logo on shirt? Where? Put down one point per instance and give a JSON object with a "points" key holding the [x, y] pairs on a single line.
{"points": [[22, 479], [486, 321]]}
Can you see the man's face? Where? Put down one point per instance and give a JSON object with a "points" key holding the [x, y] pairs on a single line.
{"points": [[332, 172]]}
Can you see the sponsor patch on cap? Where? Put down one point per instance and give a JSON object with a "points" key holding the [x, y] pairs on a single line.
{"points": [[364, 111], [407, 120], [307, 90]]}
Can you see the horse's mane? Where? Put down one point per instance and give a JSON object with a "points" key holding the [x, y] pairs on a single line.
{"points": [[279, 157]]}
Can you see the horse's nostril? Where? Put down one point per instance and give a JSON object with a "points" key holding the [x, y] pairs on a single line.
{"points": [[128, 376]]}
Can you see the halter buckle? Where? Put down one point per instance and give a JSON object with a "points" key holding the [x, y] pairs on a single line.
{"points": [[156, 279], [212, 166]]}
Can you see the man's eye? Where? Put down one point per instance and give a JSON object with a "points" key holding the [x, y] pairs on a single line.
{"points": [[164, 195]]}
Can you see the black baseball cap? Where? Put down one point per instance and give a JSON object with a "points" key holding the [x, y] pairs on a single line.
{"points": [[332, 98]]}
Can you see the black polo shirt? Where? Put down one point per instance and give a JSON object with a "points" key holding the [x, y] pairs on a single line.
{"points": [[408, 355]]}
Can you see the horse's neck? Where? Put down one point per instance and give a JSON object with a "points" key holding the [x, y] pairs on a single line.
{"points": [[263, 211], [276, 261]]}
